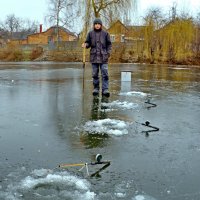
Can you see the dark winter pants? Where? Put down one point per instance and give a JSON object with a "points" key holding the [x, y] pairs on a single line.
{"points": [[104, 74]]}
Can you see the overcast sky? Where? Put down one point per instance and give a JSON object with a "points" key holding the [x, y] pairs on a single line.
{"points": [[36, 9]]}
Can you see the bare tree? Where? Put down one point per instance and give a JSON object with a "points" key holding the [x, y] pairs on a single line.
{"points": [[55, 8], [11, 24], [29, 27], [61, 13], [18, 28]]}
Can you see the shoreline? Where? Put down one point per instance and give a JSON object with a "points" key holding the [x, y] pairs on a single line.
{"points": [[88, 63]]}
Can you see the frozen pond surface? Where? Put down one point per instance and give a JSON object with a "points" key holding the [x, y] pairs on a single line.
{"points": [[49, 117]]}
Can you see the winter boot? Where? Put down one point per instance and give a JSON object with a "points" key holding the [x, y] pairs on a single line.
{"points": [[95, 92], [106, 93]]}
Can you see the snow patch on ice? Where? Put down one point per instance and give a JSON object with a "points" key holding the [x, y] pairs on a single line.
{"points": [[107, 126], [30, 182], [60, 184], [119, 105], [143, 197], [180, 68], [133, 93], [139, 197], [120, 195]]}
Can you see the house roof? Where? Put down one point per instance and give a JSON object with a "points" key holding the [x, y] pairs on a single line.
{"points": [[55, 27], [62, 28], [15, 35], [136, 28], [127, 27], [19, 35], [118, 21]]}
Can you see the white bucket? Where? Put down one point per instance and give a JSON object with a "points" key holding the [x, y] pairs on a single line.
{"points": [[125, 86], [126, 76]]}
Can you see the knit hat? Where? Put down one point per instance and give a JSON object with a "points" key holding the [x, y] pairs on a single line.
{"points": [[97, 21]]}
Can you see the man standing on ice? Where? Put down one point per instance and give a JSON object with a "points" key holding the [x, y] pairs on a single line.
{"points": [[100, 46]]}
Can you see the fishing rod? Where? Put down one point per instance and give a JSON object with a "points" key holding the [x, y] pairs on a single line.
{"points": [[147, 124], [151, 104], [98, 161]]}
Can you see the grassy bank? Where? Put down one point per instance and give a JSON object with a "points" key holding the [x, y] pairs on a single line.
{"points": [[118, 56]]}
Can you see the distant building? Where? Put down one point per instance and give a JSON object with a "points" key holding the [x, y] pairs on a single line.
{"points": [[121, 33], [47, 37], [50, 36], [118, 31], [17, 38]]}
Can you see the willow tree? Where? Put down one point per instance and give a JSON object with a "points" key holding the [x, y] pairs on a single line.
{"points": [[108, 10], [100, 6], [153, 21], [177, 37]]}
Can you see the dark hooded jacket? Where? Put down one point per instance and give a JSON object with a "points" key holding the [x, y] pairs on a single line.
{"points": [[100, 44]]}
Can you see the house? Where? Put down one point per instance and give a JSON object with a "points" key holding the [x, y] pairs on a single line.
{"points": [[47, 37], [135, 33], [121, 33], [118, 31], [17, 38], [50, 36]]}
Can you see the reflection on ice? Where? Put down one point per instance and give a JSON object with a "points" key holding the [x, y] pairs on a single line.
{"points": [[133, 93], [45, 185], [107, 126]]}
